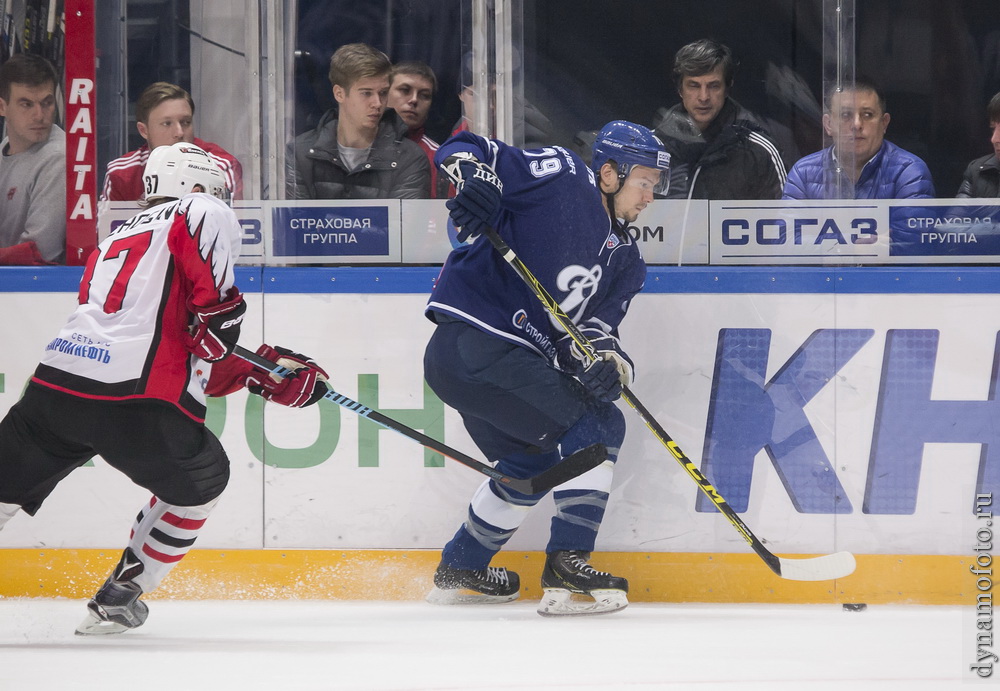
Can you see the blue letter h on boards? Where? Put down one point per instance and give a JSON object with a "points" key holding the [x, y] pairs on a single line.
{"points": [[907, 418], [746, 415]]}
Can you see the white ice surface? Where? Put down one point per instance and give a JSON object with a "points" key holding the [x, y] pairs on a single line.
{"points": [[306, 645]]}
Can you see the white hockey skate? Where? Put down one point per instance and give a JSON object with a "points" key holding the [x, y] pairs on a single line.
{"points": [[567, 578], [116, 607], [487, 586]]}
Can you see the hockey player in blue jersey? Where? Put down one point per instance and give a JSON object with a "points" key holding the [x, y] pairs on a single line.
{"points": [[526, 394]]}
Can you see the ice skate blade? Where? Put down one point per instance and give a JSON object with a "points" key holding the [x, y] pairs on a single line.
{"points": [[95, 626], [458, 596], [559, 602]]}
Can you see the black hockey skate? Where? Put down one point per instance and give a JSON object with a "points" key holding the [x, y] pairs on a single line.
{"points": [[468, 587], [568, 572], [116, 607]]}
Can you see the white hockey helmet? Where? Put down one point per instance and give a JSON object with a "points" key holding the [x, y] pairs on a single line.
{"points": [[173, 171]]}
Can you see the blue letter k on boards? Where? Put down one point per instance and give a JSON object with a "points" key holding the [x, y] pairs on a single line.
{"points": [[748, 413]]}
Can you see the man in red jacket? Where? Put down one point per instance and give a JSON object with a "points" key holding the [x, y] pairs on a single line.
{"points": [[412, 85], [164, 115]]}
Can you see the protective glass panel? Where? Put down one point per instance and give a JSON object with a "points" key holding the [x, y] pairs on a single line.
{"points": [[831, 408]]}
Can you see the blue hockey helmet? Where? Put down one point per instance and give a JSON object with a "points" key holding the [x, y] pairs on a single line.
{"points": [[628, 145]]}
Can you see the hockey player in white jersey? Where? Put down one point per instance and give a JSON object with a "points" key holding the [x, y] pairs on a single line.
{"points": [[127, 375], [527, 395]]}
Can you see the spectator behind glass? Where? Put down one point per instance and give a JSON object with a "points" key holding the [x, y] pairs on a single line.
{"points": [[982, 176], [860, 157], [467, 97], [362, 151], [412, 86], [529, 123], [164, 115], [33, 165], [718, 149]]}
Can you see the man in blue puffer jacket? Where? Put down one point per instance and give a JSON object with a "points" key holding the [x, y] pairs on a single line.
{"points": [[860, 164]]}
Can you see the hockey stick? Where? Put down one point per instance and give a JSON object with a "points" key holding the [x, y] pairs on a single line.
{"points": [[820, 568], [567, 469]]}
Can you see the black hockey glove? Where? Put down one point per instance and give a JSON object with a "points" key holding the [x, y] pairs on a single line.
{"points": [[216, 328], [477, 203]]}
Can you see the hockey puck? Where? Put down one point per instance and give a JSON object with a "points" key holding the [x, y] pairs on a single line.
{"points": [[855, 606]]}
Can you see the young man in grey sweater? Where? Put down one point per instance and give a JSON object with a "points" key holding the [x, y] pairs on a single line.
{"points": [[32, 165]]}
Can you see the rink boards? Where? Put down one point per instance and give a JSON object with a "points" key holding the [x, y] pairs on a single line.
{"points": [[834, 408]]}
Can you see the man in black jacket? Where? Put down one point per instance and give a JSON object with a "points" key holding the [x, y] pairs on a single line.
{"points": [[718, 149], [982, 176], [360, 151]]}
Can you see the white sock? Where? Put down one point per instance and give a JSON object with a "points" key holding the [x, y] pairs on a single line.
{"points": [[162, 535]]}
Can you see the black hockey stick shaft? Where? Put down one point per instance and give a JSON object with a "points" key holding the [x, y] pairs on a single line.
{"points": [[567, 469], [557, 312]]}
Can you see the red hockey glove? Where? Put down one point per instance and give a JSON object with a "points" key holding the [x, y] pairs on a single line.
{"points": [[303, 387], [217, 327]]}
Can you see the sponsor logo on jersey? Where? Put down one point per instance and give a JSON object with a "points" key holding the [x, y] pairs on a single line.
{"points": [[89, 352], [520, 322], [201, 378], [488, 176]]}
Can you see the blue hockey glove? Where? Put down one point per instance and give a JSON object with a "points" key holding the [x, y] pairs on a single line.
{"points": [[602, 380], [597, 377], [477, 203]]}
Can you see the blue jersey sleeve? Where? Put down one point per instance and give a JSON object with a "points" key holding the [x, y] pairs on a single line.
{"points": [[553, 217], [483, 149], [552, 179]]}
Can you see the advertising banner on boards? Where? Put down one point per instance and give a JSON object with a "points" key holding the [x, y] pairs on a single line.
{"points": [[830, 420], [925, 231], [330, 231]]}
